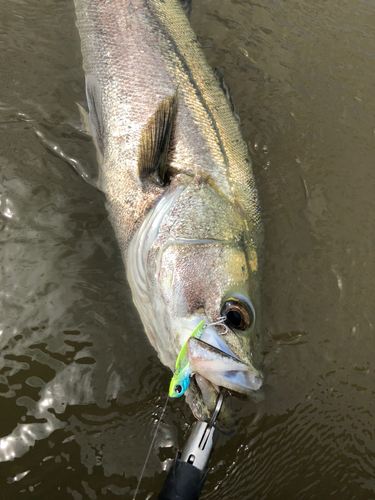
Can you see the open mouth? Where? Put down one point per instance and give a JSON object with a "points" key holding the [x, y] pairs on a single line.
{"points": [[206, 354], [211, 358]]}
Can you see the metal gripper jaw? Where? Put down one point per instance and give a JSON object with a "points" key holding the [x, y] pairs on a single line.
{"points": [[188, 472]]}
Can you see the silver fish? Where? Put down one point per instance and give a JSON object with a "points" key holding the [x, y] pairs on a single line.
{"points": [[179, 187]]}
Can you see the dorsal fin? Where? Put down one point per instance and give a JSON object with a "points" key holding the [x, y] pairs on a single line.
{"points": [[225, 88], [155, 142], [94, 101], [186, 6]]}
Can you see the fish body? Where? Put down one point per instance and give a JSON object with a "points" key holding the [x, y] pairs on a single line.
{"points": [[175, 170]]}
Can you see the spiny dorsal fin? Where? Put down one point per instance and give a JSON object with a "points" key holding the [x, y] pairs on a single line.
{"points": [[94, 101], [155, 142], [186, 7], [225, 88]]}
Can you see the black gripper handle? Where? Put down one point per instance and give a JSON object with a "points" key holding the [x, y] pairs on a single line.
{"points": [[183, 482]]}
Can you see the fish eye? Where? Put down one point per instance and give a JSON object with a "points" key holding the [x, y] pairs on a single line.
{"points": [[178, 389], [239, 314]]}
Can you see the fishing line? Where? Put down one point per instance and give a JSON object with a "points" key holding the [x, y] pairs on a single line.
{"points": [[149, 451]]}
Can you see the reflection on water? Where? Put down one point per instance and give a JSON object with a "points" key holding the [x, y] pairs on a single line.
{"points": [[81, 389]]}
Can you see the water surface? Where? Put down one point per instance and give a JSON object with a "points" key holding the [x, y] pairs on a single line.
{"points": [[81, 389]]}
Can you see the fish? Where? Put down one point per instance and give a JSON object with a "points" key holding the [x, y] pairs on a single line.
{"points": [[179, 187]]}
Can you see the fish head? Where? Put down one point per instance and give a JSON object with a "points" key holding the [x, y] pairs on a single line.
{"points": [[207, 281], [200, 262]]}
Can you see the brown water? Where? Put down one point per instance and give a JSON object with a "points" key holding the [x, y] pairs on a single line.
{"points": [[81, 389]]}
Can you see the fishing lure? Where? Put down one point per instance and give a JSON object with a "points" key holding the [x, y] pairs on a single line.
{"points": [[181, 375]]}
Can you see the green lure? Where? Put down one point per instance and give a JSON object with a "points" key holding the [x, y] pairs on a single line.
{"points": [[182, 371]]}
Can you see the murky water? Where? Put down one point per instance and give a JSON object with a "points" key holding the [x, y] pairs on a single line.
{"points": [[81, 389]]}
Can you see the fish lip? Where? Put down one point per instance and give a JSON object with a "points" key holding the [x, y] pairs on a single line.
{"points": [[237, 376], [212, 337]]}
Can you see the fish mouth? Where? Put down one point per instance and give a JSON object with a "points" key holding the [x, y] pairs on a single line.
{"points": [[211, 358]]}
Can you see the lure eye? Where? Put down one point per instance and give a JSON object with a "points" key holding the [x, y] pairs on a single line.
{"points": [[178, 389], [239, 315]]}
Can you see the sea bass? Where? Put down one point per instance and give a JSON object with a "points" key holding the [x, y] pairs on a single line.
{"points": [[179, 188]]}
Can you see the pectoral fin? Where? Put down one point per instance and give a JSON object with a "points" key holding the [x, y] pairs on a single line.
{"points": [[155, 143], [221, 369]]}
